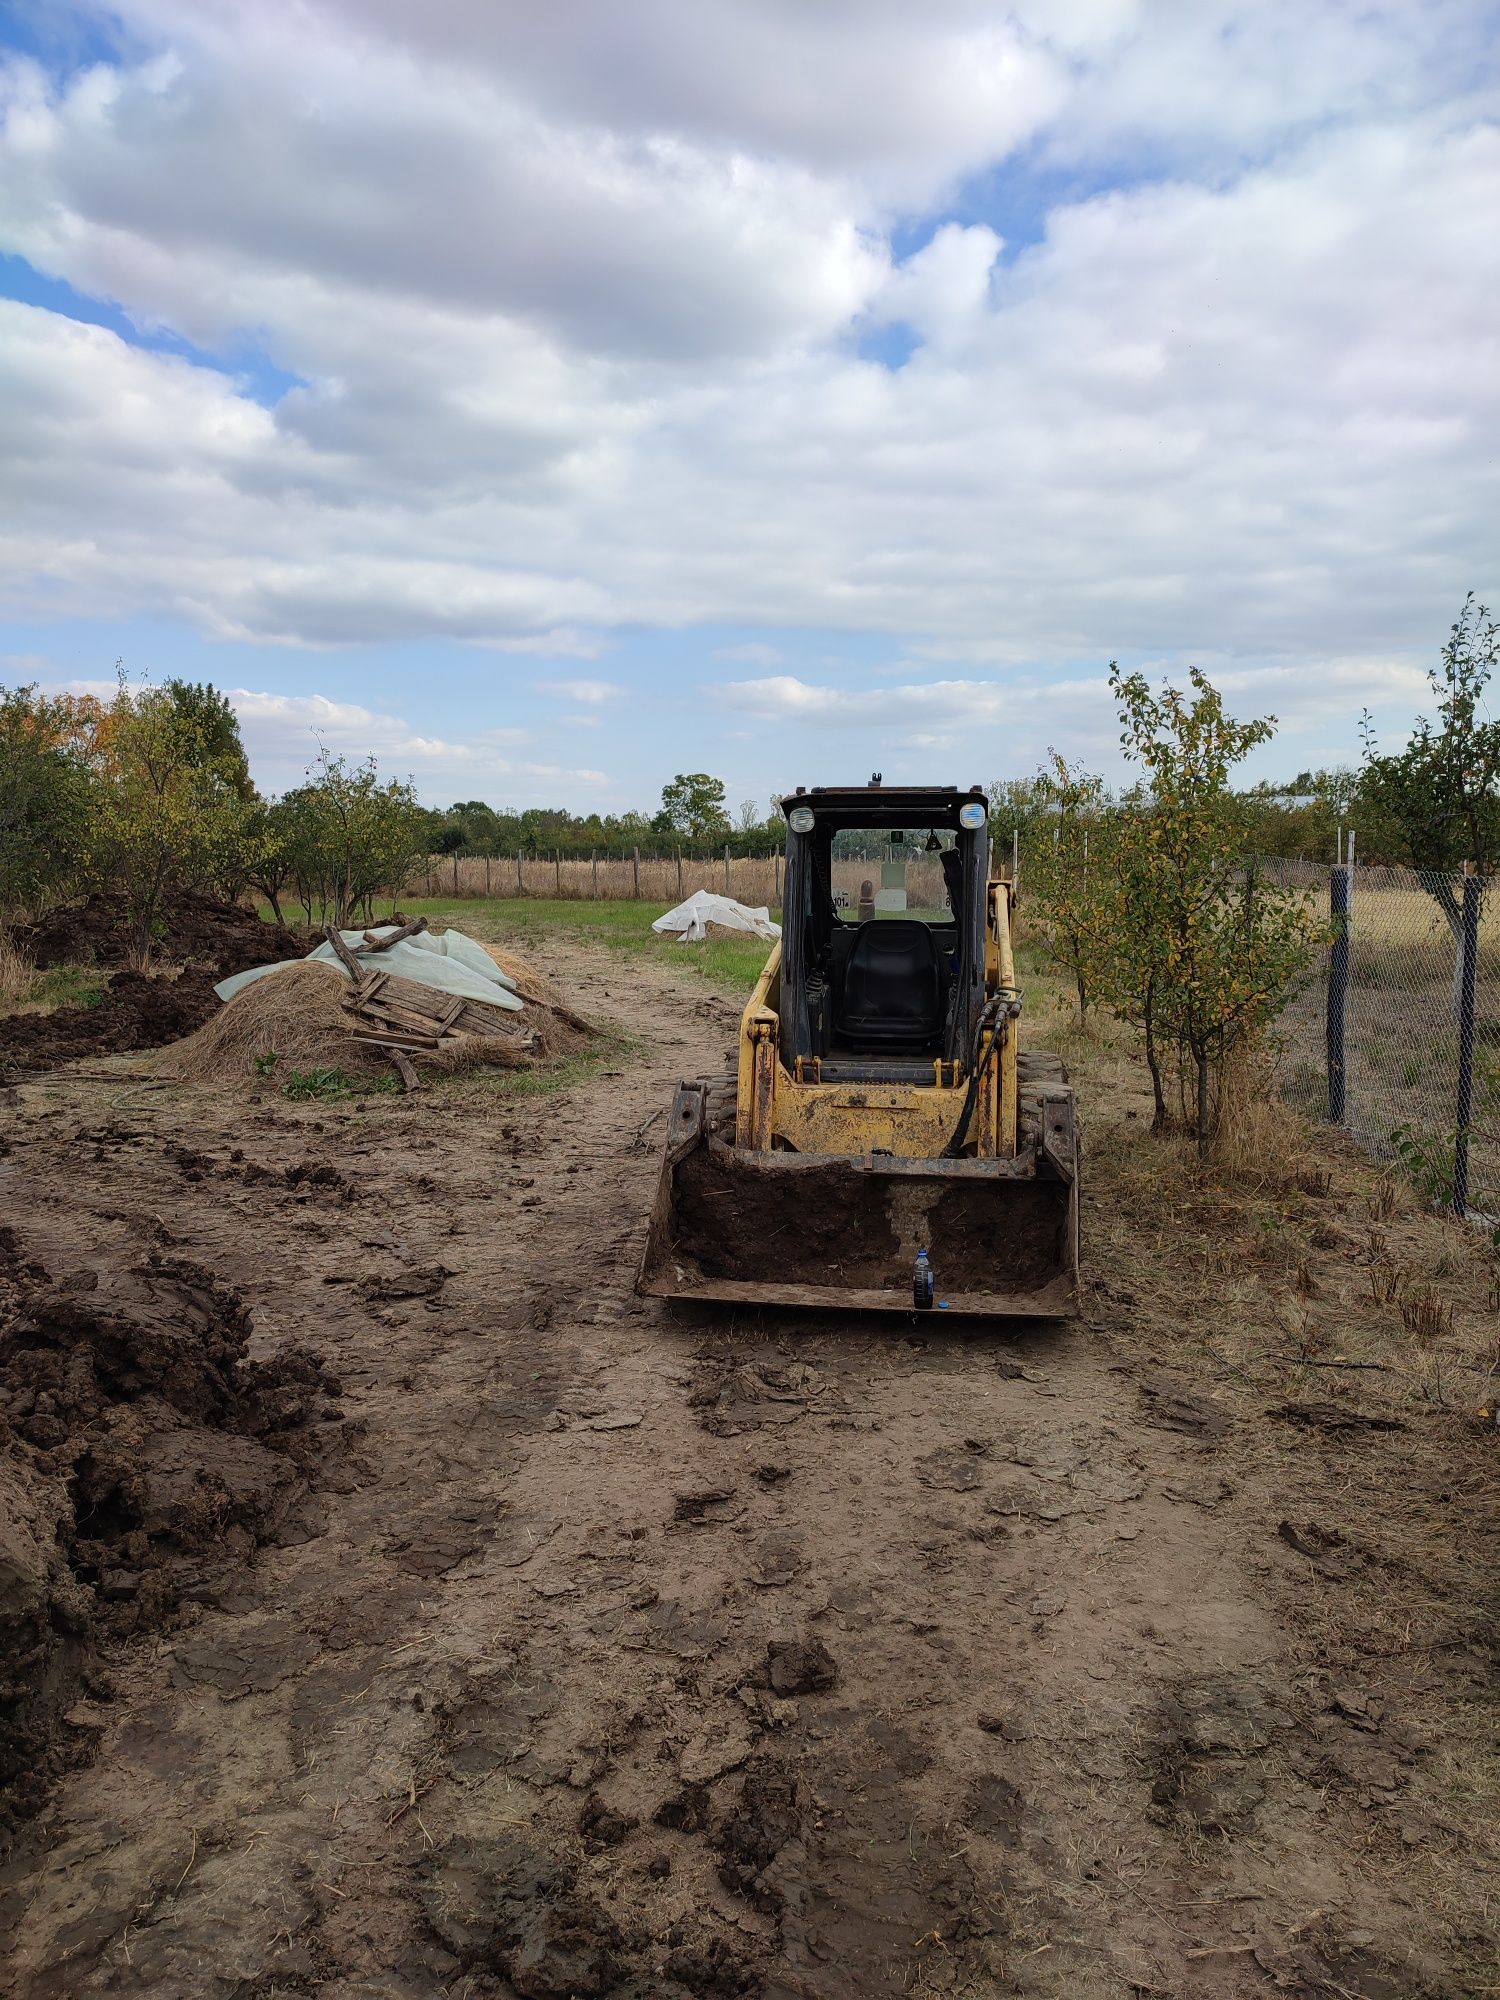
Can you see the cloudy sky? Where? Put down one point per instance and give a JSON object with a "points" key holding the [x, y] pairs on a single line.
{"points": [[552, 398]]}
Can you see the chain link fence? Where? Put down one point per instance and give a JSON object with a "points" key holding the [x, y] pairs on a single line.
{"points": [[1397, 1037]]}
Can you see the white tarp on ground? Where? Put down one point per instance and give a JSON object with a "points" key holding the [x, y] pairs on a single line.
{"points": [[690, 920], [452, 963]]}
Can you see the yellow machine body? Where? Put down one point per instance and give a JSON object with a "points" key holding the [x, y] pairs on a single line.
{"points": [[797, 1182]]}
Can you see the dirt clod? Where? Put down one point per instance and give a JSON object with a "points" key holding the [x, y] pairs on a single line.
{"points": [[685, 1811], [799, 1666], [753, 1833], [142, 1449], [600, 1826], [506, 1905], [138, 1011], [714, 1971], [198, 931]]}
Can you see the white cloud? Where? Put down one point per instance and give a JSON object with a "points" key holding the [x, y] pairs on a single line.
{"points": [[591, 692], [576, 296], [284, 734], [942, 291], [1010, 723]]}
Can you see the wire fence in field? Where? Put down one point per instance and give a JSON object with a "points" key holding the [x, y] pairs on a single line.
{"points": [[754, 879], [602, 878], [1397, 1037]]}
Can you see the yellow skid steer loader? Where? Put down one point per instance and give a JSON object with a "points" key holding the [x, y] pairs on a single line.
{"points": [[885, 1141]]}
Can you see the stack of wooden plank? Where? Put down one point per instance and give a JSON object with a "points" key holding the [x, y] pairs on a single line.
{"points": [[404, 1018], [401, 1013]]}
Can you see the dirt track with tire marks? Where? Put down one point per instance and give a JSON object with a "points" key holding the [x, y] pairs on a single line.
{"points": [[621, 1651]]}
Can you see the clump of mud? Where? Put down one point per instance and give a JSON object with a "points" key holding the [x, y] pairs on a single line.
{"points": [[140, 1452], [196, 931], [506, 1907], [751, 1838], [137, 1012]]}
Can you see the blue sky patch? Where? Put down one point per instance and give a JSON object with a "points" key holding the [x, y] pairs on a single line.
{"points": [[249, 367]]}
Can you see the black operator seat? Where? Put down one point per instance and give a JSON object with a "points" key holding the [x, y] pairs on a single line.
{"points": [[893, 986]]}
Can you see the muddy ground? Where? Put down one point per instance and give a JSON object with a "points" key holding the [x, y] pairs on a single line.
{"points": [[198, 942], [601, 1649]]}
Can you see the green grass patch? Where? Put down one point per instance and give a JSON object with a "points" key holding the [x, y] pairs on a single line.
{"points": [[68, 986], [328, 1085], [61, 986], [622, 927]]}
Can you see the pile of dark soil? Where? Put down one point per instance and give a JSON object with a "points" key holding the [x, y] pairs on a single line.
{"points": [[136, 1012], [141, 1452], [196, 931], [208, 939]]}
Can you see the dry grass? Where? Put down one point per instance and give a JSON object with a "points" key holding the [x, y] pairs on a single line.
{"points": [[1259, 1141], [1288, 1246], [293, 1018], [16, 974], [529, 978]]}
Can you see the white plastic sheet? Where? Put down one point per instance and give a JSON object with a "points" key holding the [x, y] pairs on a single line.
{"points": [[689, 922], [453, 963]]}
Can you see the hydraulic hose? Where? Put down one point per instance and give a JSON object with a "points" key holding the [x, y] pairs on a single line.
{"points": [[994, 1015]]}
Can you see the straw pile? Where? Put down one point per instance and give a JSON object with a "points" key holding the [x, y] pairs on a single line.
{"points": [[296, 1015], [311, 1016]]}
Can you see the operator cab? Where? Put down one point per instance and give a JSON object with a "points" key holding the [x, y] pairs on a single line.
{"points": [[883, 928]]}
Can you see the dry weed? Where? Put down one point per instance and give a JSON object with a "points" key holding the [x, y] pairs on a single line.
{"points": [[1387, 1279], [1381, 1199], [1426, 1317], [1259, 1141], [16, 973]]}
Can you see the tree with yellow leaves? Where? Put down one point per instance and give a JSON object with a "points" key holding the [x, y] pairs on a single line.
{"points": [[1206, 952], [171, 809]]}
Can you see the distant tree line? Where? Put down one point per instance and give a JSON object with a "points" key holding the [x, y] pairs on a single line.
{"points": [[693, 819], [150, 793]]}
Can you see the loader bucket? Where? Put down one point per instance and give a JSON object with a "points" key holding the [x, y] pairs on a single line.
{"points": [[784, 1228]]}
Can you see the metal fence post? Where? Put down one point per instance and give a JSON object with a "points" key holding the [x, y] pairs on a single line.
{"points": [[1473, 891], [594, 874], [778, 879], [557, 870], [679, 874], [1338, 994], [726, 868], [455, 874], [635, 858]]}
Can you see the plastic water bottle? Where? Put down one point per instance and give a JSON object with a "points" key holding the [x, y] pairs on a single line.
{"points": [[923, 1284]]}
